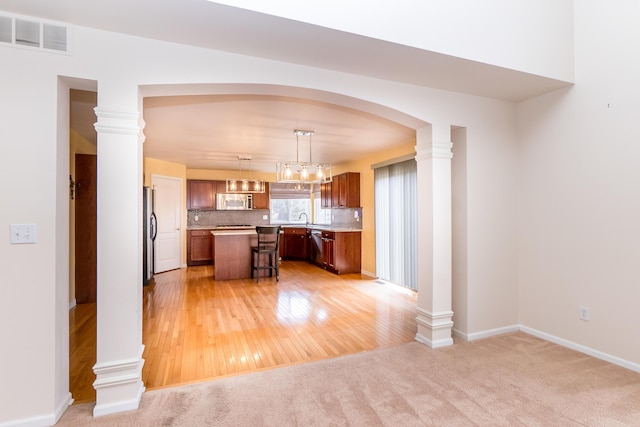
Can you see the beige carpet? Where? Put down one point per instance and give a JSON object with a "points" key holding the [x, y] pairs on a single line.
{"points": [[508, 380]]}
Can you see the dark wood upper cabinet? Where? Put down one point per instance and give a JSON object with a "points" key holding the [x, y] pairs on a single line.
{"points": [[325, 195], [261, 200], [342, 192], [201, 194], [221, 187]]}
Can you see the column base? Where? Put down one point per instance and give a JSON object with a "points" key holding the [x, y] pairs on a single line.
{"points": [[118, 385], [434, 329]]}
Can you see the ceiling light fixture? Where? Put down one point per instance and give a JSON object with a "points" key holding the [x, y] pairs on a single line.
{"points": [[244, 185], [303, 172]]}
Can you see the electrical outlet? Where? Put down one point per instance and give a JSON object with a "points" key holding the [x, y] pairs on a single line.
{"points": [[265, 217], [584, 312]]}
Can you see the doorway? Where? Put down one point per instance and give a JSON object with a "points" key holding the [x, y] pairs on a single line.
{"points": [[85, 228], [168, 209], [396, 211]]}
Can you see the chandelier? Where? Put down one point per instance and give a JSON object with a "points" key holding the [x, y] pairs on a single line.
{"points": [[303, 172], [244, 185]]}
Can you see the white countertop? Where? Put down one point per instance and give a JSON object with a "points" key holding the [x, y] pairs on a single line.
{"points": [[220, 232]]}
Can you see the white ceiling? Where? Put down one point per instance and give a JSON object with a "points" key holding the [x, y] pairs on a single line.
{"points": [[210, 131]]}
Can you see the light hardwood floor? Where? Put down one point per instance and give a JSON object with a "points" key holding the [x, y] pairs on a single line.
{"points": [[195, 328]]}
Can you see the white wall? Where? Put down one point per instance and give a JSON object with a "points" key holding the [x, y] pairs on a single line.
{"points": [[33, 336], [533, 36], [579, 208], [28, 273]]}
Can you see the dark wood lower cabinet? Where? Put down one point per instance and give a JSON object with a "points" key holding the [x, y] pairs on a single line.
{"points": [[199, 247], [336, 251], [341, 252], [295, 243]]}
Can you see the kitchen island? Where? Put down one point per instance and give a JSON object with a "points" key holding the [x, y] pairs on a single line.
{"points": [[232, 253]]}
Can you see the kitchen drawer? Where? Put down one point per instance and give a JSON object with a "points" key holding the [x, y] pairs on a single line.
{"points": [[328, 235], [294, 230]]}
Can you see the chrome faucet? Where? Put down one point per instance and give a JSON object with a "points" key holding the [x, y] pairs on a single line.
{"points": [[306, 217]]}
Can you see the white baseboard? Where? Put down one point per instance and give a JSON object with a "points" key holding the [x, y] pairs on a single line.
{"points": [[368, 273], [485, 334], [72, 303], [582, 349], [63, 406], [434, 344], [551, 338], [118, 385], [42, 421], [120, 406]]}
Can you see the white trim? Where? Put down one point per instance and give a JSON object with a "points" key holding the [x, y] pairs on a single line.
{"points": [[434, 321], [486, 334], [117, 122], [111, 368], [434, 344], [551, 338], [121, 406], [400, 159], [42, 421], [437, 324], [369, 274], [72, 303], [63, 406], [125, 375], [582, 349]]}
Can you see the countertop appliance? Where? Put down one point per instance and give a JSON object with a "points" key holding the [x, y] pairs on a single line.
{"points": [[150, 230], [234, 202]]}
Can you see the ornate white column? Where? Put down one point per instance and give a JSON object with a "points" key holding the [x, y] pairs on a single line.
{"points": [[433, 158], [119, 361]]}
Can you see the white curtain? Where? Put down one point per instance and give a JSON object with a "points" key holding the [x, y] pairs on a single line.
{"points": [[396, 223]]}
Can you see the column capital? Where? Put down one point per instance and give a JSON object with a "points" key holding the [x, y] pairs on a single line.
{"points": [[118, 122], [438, 149]]}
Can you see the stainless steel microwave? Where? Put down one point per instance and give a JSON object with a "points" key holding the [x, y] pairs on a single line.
{"points": [[234, 202]]}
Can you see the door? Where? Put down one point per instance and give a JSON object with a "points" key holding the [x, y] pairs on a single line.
{"points": [[85, 229], [168, 191]]}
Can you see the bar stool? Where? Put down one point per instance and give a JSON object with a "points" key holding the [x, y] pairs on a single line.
{"points": [[268, 244]]}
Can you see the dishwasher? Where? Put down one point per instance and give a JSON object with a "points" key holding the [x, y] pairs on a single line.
{"points": [[316, 247]]}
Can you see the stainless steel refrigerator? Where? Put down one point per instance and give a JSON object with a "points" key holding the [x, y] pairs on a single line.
{"points": [[150, 229]]}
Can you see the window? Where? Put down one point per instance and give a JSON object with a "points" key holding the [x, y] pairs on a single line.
{"points": [[289, 204], [321, 216], [290, 211]]}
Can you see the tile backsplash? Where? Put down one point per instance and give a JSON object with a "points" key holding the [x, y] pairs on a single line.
{"points": [[351, 218], [209, 218]]}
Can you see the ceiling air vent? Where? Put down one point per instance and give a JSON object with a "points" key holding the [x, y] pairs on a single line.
{"points": [[31, 32]]}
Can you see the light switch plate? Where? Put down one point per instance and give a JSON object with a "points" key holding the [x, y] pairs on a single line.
{"points": [[23, 233]]}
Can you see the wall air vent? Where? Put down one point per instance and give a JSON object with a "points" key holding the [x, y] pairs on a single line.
{"points": [[34, 33]]}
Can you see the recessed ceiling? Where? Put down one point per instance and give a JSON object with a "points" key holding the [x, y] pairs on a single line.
{"points": [[210, 132]]}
